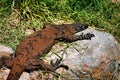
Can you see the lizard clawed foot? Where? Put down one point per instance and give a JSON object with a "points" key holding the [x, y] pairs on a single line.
{"points": [[57, 64], [63, 66], [88, 36]]}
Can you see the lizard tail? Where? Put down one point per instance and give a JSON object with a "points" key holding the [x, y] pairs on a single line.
{"points": [[15, 72]]}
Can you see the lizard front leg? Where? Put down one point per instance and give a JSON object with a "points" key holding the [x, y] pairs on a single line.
{"points": [[72, 38]]}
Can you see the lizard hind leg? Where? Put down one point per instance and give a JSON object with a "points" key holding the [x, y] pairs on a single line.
{"points": [[34, 64]]}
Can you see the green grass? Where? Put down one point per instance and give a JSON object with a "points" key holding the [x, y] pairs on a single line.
{"points": [[32, 14]]}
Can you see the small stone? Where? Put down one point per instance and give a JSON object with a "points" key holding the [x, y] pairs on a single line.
{"points": [[5, 49], [28, 32]]}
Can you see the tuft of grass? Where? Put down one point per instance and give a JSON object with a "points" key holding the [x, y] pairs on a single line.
{"points": [[5, 8], [11, 34]]}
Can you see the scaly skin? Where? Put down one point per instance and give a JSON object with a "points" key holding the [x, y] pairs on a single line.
{"points": [[38, 45]]}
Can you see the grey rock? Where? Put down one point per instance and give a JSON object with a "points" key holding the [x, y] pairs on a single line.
{"points": [[6, 49], [96, 56]]}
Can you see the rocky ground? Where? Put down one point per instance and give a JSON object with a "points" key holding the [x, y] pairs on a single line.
{"points": [[97, 58]]}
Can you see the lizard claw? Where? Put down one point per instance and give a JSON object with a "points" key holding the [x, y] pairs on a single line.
{"points": [[57, 64], [63, 66], [88, 36]]}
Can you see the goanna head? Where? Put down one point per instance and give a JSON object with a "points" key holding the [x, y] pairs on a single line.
{"points": [[66, 29], [70, 29], [77, 27]]}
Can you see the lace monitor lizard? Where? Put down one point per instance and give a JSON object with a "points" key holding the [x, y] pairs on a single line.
{"points": [[39, 44]]}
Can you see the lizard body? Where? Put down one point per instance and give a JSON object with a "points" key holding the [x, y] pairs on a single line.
{"points": [[38, 45]]}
